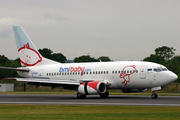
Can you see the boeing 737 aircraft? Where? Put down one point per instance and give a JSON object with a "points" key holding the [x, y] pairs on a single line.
{"points": [[88, 78]]}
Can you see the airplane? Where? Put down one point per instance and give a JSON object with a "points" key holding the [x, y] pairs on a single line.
{"points": [[93, 78]]}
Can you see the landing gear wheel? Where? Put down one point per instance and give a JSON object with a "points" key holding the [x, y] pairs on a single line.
{"points": [[154, 95], [80, 96], [105, 95]]}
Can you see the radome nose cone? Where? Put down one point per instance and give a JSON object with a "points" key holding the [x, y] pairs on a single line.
{"points": [[172, 76]]}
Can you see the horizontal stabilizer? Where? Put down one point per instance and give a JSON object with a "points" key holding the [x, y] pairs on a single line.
{"points": [[15, 69]]}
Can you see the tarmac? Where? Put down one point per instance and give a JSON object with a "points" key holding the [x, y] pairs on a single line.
{"points": [[115, 100]]}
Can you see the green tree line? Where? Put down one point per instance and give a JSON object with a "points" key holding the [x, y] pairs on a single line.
{"points": [[163, 55]]}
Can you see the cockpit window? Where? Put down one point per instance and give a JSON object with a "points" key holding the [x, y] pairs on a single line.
{"points": [[155, 69], [164, 69], [158, 70]]}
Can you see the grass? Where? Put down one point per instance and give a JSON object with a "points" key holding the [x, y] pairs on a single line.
{"points": [[76, 112]]}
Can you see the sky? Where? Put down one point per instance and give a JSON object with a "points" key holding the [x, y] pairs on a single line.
{"points": [[119, 29]]}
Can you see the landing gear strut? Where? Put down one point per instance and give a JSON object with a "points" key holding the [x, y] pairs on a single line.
{"points": [[154, 95]]}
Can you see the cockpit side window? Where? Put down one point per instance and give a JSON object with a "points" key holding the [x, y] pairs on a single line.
{"points": [[155, 69], [164, 69], [159, 70]]}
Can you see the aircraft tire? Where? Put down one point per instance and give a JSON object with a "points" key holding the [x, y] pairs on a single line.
{"points": [[80, 96], [154, 95], [105, 95]]}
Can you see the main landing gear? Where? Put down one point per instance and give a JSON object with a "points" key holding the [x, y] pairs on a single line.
{"points": [[105, 95], [83, 96], [154, 95]]}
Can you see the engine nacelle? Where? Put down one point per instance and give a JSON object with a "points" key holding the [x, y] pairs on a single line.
{"points": [[90, 88], [133, 90]]}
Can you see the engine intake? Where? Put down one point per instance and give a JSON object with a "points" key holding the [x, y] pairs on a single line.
{"points": [[90, 88]]}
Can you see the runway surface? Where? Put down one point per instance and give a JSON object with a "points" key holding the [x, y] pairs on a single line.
{"points": [[120, 100]]}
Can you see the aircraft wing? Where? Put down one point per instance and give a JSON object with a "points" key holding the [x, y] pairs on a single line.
{"points": [[45, 80], [65, 84]]}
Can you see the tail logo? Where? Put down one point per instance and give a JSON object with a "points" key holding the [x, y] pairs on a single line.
{"points": [[125, 75], [29, 56]]}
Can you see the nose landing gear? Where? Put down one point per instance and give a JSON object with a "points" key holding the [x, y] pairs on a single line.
{"points": [[154, 95]]}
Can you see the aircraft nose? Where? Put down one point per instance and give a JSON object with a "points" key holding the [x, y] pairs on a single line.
{"points": [[172, 77]]}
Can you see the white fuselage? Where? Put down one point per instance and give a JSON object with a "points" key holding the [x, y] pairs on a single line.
{"points": [[125, 74]]}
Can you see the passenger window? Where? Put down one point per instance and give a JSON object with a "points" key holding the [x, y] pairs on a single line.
{"points": [[112, 72], [101, 72], [115, 72], [136, 71], [47, 74], [106, 72], [122, 71], [130, 71], [127, 71]]}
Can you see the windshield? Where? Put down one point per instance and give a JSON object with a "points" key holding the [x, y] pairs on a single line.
{"points": [[159, 69]]}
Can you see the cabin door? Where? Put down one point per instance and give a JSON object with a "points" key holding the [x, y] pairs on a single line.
{"points": [[143, 72], [40, 73]]}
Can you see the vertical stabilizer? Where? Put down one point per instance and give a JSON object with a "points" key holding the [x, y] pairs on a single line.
{"points": [[29, 55]]}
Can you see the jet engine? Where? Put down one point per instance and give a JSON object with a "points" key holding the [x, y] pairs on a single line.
{"points": [[93, 87], [133, 90]]}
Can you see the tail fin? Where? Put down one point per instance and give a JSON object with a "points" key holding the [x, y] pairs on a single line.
{"points": [[29, 55]]}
